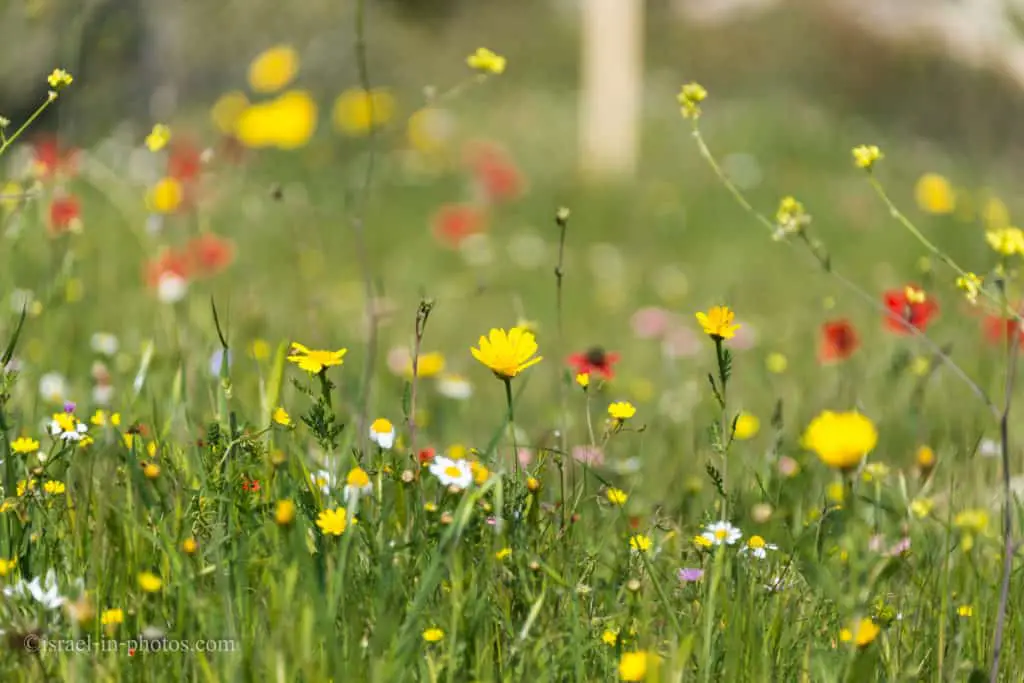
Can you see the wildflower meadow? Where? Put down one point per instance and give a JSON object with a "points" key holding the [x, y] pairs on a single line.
{"points": [[363, 387]]}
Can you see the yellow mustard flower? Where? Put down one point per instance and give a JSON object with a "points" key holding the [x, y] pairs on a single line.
{"points": [[718, 322], [866, 156], [921, 507], [934, 194], [59, 79], [356, 112], [995, 214], [1006, 241], [315, 361], [507, 353], [617, 496], [273, 69], [970, 284], [158, 137], [486, 61], [690, 96]]}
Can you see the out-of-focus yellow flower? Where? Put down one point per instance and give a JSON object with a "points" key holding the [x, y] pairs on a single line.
{"points": [[747, 426], [634, 666], [617, 497], [356, 112], [166, 196], [776, 363], [429, 130], [995, 214], [273, 69], [433, 635], [427, 365], [841, 440], [836, 492], [150, 582], [158, 137], [286, 122], [1006, 241], [970, 284], [690, 96], [10, 196], [862, 633], [866, 156], [718, 322], [227, 111], [921, 507], [486, 61], [934, 194]]}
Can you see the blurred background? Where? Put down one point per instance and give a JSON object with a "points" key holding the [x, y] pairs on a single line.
{"points": [[463, 192]]}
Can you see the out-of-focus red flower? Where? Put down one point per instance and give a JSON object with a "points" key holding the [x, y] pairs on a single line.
{"points": [[51, 159], [65, 215], [915, 313], [426, 455], [494, 171], [209, 254], [250, 485], [169, 262], [184, 161], [999, 330], [838, 341], [594, 360], [453, 223]]}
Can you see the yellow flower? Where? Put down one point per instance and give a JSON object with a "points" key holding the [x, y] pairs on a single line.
{"points": [[427, 365], [150, 582], [227, 110], [690, 96], [433, 635], [914, 295], [11, 196], [921, 507], [485, 61], [610, 637], [617, 496], [776, 363], [866, 156], [284, 512], [54, 488], [100, 418], [151, 470], [1006, 241], [503, 554], [974, 520], [640, 543], [702, 541], [429, 130], [158, 137], [717, 322], [7, 566], [112, 617], [995, 214], [165, 196], [282, 417], [747, 426], [24, 486], [934, 194], [287, 122], [313, 361], [836, 492], [189, 546], [59, 78], [790, 218], [862, 633], [273, 69], [970, 285], [841, 440], [965, 611], [507, 353], [357, 112], [621, 410], [876, 471], [633, 665], [333, 521], [583, 379], [480, 472], [925, 458], [24, 445]]}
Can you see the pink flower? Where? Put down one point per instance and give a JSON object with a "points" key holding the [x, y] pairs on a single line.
{"points": [[650, 322], [525, 456], [592, 456], [680, 342]]}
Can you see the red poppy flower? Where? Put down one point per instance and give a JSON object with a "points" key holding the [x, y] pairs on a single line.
{"points": [[170, 262], [250, 485], [51, 159], [210, 254], [494, 171], [426, 455], [838, 341], [594, 360], [999, 330], [184, 162], [455, 222], [914, 313], [65, 215]]}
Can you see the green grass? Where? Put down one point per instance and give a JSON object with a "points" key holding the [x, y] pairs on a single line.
{"points": [[300, 605]]}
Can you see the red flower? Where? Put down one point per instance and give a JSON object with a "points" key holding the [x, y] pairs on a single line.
{"points": [[209, 254], [426, 455], [250, 485], [999, 330], [455, 222], [170, 262], [65, 215], [594, 360], [184, 161], [494, 171], [50, 159], [915, 313], [838, 341]]}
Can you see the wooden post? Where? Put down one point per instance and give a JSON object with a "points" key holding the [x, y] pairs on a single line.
{"points": [[612, 88]]}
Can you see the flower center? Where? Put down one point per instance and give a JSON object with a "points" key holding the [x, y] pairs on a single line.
{"points": [[720, 534], [453, 471], [596, 356], [756, 542]]}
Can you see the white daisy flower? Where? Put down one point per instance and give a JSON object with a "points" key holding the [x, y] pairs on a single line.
{"points": [[454, 386], [457, 473], [46, 593], [357, 485], [722, 532], [104, 344], [382, 433], [66, 427], [171, 289], [53, 387], [757, 547], [323, 480]]}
